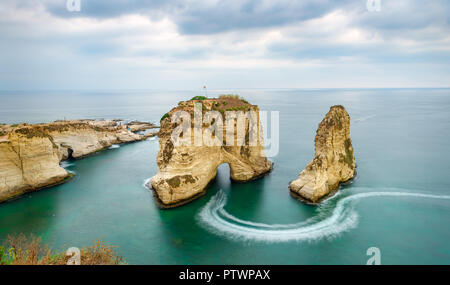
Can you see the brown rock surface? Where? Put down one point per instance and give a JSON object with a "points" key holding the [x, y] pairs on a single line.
{"points": [[184, 172], [136, 126], [333, 163], [30, 155]]}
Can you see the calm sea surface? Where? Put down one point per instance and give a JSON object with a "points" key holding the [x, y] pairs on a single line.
{"points": [[401, 139]]}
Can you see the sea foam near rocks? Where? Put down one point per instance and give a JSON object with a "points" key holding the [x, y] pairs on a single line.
{"points": [[328, 223]]}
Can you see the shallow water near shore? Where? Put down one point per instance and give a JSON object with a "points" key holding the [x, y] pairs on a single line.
{"points": [[400, 137]]}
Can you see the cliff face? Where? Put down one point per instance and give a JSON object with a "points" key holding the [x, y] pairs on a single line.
{"points": [[81, 139], [334, 161], [30, 154], [185, 171], [28, 164]]}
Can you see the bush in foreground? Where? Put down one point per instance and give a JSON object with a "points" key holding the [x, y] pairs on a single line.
{"points": [[23, 250]]}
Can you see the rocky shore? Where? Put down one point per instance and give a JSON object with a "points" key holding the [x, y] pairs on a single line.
{"points": [[30, 155], [333, 163]]}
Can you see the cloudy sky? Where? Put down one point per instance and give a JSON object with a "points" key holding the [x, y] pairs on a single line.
{"points": [[162, 44]]}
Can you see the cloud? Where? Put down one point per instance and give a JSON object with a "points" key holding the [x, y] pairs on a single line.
{"points": [[207, 17], [148, 44]]}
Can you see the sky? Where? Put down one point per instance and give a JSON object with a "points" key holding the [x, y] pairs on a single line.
{"points": [[183, 45]]}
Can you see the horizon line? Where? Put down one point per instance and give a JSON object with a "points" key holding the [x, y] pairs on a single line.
{"points": [[221, 89]]}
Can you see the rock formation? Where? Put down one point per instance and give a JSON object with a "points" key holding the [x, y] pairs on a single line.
{"points": [[333, 163], [30, 155], [136, 126], [185, 171]]}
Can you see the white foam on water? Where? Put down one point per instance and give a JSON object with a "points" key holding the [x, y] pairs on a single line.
{"points": [[114, 146], [65, 164], [342, 218], [147, 183], [363, 119]]}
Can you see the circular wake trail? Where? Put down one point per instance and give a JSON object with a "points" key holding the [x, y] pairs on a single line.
{"points": [[342, 218]]}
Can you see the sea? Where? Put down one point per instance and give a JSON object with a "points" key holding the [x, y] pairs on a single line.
{"points": [[399, 202]]}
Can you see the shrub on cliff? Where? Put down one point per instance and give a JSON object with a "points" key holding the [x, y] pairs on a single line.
{"points": [[166, 115], [23, 250], [233, 96], [199, 98]]}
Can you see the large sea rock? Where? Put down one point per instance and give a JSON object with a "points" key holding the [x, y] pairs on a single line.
{"points": [[184, 171], [333, 163]]}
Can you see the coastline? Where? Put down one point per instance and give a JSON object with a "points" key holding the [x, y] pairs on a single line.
{"points": [[31, 154], [66, 179]]}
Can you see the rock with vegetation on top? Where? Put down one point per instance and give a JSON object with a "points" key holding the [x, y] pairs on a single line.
{"points": [[333, 163], [30, 155], [184, 171]]}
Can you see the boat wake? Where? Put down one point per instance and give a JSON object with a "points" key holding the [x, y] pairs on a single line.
{"points": [[364, 119], [332, 219]]}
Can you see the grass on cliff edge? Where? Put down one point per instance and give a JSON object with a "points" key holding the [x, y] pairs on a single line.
{"points": [[225, 102], [199, 98], [23, 250]]}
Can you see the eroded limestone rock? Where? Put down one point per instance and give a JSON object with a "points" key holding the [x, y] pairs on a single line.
{"points": [[185, 171], [30, 155], [334, 161]]}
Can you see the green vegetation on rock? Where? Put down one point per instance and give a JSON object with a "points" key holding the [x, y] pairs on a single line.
{"points": [[233, 96], [199, 98], [69, 177], [166, 115]]}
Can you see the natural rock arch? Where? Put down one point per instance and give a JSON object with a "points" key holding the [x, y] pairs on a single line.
{"points": [[70, 153], [184, 172]]}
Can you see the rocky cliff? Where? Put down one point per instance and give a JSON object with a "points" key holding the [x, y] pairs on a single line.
{"points": [[184, 171], [30, 155], [333, 162]]}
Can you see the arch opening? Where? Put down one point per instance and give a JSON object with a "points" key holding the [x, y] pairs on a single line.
{"points": [[223, 174], [70, 154]]}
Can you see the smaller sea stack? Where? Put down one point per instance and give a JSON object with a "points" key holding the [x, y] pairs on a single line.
{"points": [[333, 162]]}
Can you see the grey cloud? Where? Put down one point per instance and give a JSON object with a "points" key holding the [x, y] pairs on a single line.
{"points": [[197, 17], [34, 49], [236, 15], [406, 15]]}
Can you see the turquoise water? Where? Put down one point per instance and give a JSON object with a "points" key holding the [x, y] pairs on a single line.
{"points": [[401, 141]]}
